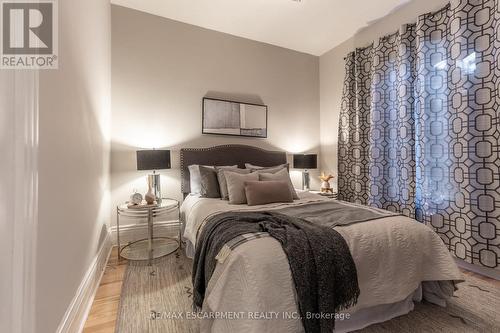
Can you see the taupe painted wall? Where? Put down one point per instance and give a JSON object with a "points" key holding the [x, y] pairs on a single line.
{"points": [[332, 71], [161, 70], [74, 111]]}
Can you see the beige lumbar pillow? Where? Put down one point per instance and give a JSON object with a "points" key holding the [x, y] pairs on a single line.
{"points": [[236, 186], [266, 192], [282, 175]]}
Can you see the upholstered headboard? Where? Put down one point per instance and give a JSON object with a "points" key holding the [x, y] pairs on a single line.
{"points": [[226, 155]]}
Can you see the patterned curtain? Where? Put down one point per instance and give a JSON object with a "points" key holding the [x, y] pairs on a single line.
{"points": [[420, 130]]}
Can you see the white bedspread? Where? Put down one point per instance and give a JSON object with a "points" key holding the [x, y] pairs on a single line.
{"points": [[393, 256]]}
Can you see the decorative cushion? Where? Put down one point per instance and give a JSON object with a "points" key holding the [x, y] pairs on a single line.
{"points": [[195, 179], [222, 179], [236, 186], [266, 192], [209, 185], [280, 175], [272, 169]]}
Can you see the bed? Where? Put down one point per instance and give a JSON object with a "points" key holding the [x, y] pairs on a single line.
{"points": [[398, 260]]}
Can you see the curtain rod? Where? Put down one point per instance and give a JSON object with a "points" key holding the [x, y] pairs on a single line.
{"points": [[446, 7]]}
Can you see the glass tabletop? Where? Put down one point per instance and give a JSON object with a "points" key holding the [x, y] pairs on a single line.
{"points": [[139, 250], [166, 203]]}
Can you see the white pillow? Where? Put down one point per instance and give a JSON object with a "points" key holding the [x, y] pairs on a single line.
{"points": [[195, 177], [236, 186]]}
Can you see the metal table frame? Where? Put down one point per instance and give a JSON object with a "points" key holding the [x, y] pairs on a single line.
{"points": [[149, 213]]}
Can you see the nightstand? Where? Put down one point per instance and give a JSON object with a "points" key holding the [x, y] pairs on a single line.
{"points": [[325, 194], [151, 247]]}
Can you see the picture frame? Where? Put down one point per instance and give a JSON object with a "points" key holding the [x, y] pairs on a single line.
{"points": [[233, 118]]}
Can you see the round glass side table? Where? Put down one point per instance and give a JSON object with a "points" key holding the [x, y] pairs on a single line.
{"points": [[151, 247]]}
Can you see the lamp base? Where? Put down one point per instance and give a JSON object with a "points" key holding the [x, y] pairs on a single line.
{"points": [[305, 180], [155, 181]]}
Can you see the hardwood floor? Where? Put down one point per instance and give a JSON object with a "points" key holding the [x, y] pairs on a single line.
{"points": [[491, 281], [102, 316]]}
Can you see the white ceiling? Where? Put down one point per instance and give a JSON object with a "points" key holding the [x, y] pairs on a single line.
{"points": [[310, 26]]}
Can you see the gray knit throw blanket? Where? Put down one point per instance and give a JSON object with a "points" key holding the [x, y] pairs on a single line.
{"points": [[321, 264]]}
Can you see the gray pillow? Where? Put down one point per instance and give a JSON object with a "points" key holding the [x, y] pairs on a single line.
{"points": [[280, 175], [257, 167], [236, 186], [261, 193], [195, 179], [222, 179], [209, 185], [272, 169]]}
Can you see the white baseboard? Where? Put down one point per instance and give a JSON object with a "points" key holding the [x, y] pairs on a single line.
{"points": [[489, 272], [133, 232], [77, 312]]}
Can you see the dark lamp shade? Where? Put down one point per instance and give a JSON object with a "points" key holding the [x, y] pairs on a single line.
{"points": [[305, 161], [153, 159]]}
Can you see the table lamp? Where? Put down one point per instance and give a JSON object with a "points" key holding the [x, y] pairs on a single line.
{"points": [[305, 162], [154, 160]]}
